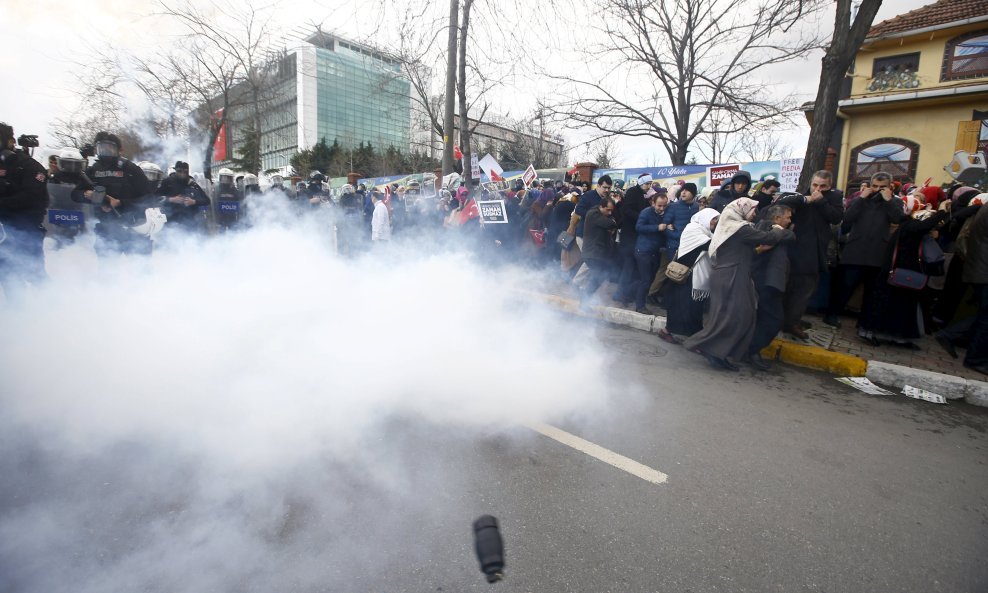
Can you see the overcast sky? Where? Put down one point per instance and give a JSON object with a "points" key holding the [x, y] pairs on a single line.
{"points": [[46, 49]]}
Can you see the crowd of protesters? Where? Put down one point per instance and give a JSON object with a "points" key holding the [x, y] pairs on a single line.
{"points": [[730, 266]]}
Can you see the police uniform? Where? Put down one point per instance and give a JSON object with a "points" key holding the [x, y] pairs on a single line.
{"points": [[23, 201], [125, 181], [189, 217]]}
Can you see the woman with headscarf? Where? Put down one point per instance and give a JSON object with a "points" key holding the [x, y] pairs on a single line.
{"points": [[894, 312], [733, 300], [684, 302]]}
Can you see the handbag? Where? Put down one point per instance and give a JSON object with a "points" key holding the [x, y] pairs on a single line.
{"points": [[678, 272], [565, 240], [903, 278]]}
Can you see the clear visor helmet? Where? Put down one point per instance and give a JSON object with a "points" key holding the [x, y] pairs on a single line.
{"points": [[152, 173], [226, 179], [277, 180], [106, 149], [71, 165]]}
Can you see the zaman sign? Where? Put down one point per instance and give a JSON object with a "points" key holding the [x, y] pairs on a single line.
{"points": [[717, 175]]}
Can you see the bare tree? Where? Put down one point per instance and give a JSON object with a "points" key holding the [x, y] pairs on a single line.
{"points": [[448, 115], [848, 35], [694, 59], [461, 92], [604, 152]]}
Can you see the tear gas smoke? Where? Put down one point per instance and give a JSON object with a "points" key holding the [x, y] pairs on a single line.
{"points": [[230, 416]]}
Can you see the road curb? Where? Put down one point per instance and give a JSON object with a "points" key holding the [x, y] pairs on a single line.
{"points": [[811, 357], [951, 387]]}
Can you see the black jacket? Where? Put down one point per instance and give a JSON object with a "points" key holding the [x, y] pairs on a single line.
{"points": [[180, 213], [124, 181], [631, 206], [23, 191], [976, 264], [726, 194], [811, 223], [597, 235], [867, 223]]}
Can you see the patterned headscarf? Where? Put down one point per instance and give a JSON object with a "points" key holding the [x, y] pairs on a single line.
{"points": [[734, 216]]}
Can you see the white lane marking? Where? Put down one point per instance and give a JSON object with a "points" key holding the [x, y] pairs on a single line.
{"points": [[597, 452]]}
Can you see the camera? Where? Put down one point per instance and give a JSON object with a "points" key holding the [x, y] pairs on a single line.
{"points": [[28, 140]]}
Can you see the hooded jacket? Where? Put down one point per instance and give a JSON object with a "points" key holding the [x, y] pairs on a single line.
{"points": [[726, 195]]}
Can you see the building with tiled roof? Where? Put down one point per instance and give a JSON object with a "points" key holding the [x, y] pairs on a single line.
{"points": [[939, 14], [918, 92]]}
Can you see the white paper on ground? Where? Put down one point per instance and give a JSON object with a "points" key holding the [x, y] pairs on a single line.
{"points": [[917, 393], [863, 384]]}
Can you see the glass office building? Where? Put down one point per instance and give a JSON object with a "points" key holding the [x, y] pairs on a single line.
{"points": [[328, 88]]}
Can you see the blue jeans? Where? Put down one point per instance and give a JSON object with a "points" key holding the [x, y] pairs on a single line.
{"points": [[977, 352], [648, 264]]}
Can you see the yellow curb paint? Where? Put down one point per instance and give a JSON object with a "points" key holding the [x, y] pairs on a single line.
{"points": [[814, 357]]}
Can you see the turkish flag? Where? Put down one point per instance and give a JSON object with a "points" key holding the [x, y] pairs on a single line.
{"points": [[457, 153], [495, 177], [219, 147]]}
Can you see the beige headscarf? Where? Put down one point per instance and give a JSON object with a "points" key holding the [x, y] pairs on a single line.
{"points": [[731, 220]]}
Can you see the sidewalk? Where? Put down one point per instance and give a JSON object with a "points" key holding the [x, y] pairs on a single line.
{"points": [[838, 351]]}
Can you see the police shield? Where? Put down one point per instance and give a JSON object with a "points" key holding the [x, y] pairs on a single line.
{"points": [[65, 218]]}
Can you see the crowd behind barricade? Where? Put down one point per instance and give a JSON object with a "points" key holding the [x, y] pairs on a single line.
{"points": [[731, 267]]}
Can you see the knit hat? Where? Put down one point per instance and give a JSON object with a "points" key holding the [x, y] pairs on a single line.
{"points": [[963, 195], [644, 179], [661, 190], [934, 195], [690, 187], [911, 204]]}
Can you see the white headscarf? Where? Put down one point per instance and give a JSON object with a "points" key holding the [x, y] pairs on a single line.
{"points": [[731, 220], [697, 232]]}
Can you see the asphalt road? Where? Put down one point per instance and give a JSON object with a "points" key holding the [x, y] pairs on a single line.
{"points": [[786, 481]]}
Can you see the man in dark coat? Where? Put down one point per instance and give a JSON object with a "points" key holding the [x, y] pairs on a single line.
{"points": [[23, 200], [127, 189], [587, 202], [736, 188], [812, 216], [769, 271], [976, 274], [866, 224], [631, 206], [597, 237], [184, 199]]}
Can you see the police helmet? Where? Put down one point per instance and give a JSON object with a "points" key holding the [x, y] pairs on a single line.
{"points": [[317, 177], [70, 161], [226, 176], [277, 180], [107, 145], [250, 179], [151, 171], [346, 189]]}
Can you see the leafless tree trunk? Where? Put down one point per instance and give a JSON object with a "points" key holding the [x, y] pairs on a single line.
{"points": [[461, 91], [695, 58], [449, 113], [844, 45]]}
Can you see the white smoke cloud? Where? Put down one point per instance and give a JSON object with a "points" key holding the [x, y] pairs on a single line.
{"points": [[232, 414]]}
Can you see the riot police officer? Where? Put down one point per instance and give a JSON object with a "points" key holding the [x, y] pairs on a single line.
{"points": [[120, 206], [23, 200], [184, 201], [350, 222], [229, 201], [153, 173], [278, 186], [68, 210]]}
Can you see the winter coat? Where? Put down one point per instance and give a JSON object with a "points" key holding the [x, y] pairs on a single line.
{"points": [[771, 268], [678, 214], [650, 238], [811, 223], [587, 203], [632, 205], [597, 235], [976, 265], [867, 222], [726, 194]]}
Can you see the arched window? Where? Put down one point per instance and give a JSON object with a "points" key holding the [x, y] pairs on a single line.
{"points": [[894, 156], [966, 57]]}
